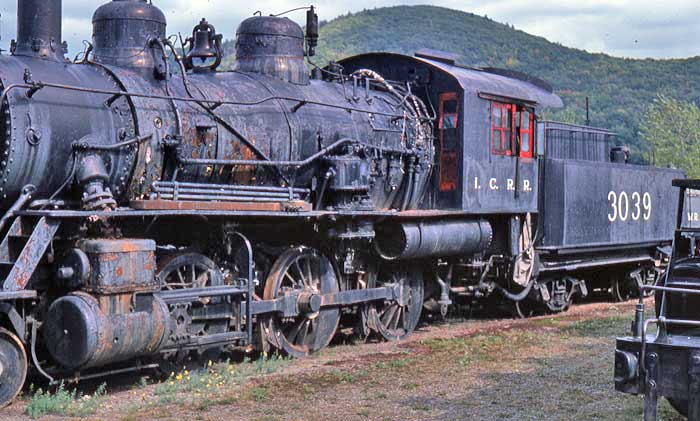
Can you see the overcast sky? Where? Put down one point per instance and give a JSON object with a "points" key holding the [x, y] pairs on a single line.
{"points": [[627, 28]]}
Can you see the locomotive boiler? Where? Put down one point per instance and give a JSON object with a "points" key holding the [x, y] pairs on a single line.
{"points": [[158, 209]]}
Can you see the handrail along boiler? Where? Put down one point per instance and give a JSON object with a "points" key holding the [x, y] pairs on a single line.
{"points": [[157, 209]]}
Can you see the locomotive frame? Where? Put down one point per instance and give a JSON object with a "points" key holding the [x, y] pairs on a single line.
{"points": [[155, 216]]}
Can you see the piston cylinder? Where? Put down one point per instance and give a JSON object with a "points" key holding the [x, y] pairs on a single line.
{"points": [[81, 333], [396, 241]]}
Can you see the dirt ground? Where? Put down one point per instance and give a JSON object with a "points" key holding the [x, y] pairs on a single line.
{"points": [[553, 368]]}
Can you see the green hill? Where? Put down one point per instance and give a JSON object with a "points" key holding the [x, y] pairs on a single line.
{"points": [[619, 89]]}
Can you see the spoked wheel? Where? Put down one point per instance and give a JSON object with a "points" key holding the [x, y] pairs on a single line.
{"points": [[305, 272], [394, 320], [13, 367], [189, 270], [183, 271], [621, 288]]}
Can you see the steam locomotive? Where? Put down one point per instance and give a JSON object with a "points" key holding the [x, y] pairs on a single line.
{"points": [[158, 210]]}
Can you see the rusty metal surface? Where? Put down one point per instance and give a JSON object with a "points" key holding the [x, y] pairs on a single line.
{"points": [[220, 206], [83, 331], [119, 266], [31, 254]]}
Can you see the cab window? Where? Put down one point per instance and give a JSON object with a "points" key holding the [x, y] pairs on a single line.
{"points": [[502, 129], [512, 130]]}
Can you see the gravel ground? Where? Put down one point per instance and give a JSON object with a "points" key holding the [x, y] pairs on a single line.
{"points": [[554, 368]]}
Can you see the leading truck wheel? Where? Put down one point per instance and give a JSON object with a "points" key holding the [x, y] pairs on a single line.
{"points": [[13, 367], [305, 272]]}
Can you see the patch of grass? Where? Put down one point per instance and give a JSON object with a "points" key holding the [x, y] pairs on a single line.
{"points": [[482, 347], [364, 413], [614, 325], [258, 394], [348, 376], [421, 407], [215, 378], [64, 402], [398, 363], [547, 322], [410, 386]]}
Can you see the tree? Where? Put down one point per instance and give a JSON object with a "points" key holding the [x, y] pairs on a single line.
{"points": [[672, 129]]}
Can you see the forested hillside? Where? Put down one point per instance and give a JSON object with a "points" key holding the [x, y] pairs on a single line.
{"points": [[620, 90]]}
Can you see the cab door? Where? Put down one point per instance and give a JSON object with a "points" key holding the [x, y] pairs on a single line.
{"points": [[448, 132]]}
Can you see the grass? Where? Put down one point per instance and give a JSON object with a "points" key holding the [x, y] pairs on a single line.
{"points": [[64, 402], [598, 327], [215, 379]]}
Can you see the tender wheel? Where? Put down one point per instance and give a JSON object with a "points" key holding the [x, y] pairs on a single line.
{"points": [[305, 272], [561, 293], [13, 367], [397, 319], [621, 288]]}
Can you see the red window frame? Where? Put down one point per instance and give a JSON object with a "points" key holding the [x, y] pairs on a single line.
{"points": [[502, 122], [449, 165], [527, 134], [508, 130]]}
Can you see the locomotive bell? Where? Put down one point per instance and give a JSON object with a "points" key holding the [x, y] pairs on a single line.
{"points": [[205, 44]]}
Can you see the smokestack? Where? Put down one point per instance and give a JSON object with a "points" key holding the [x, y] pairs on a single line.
{"points": [[39, 29]]}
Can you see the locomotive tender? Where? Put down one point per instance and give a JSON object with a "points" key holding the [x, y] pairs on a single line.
{"points": [[158, 210]]}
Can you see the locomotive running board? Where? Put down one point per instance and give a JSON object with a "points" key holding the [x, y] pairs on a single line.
{"points": [[296, 206]]}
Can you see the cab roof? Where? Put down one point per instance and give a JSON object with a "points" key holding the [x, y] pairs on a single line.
{"points": [[489, 82]]}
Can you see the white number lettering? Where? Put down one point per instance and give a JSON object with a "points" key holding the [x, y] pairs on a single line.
{"points": [[646, 202], [620, 206], [624, 214], [612, 198], [636, 200]]}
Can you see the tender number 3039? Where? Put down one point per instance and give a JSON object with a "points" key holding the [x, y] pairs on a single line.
{"points": [[624, 207]]}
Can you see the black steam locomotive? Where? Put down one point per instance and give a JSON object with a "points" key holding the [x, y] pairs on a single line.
{"points": [[158, 210]]}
